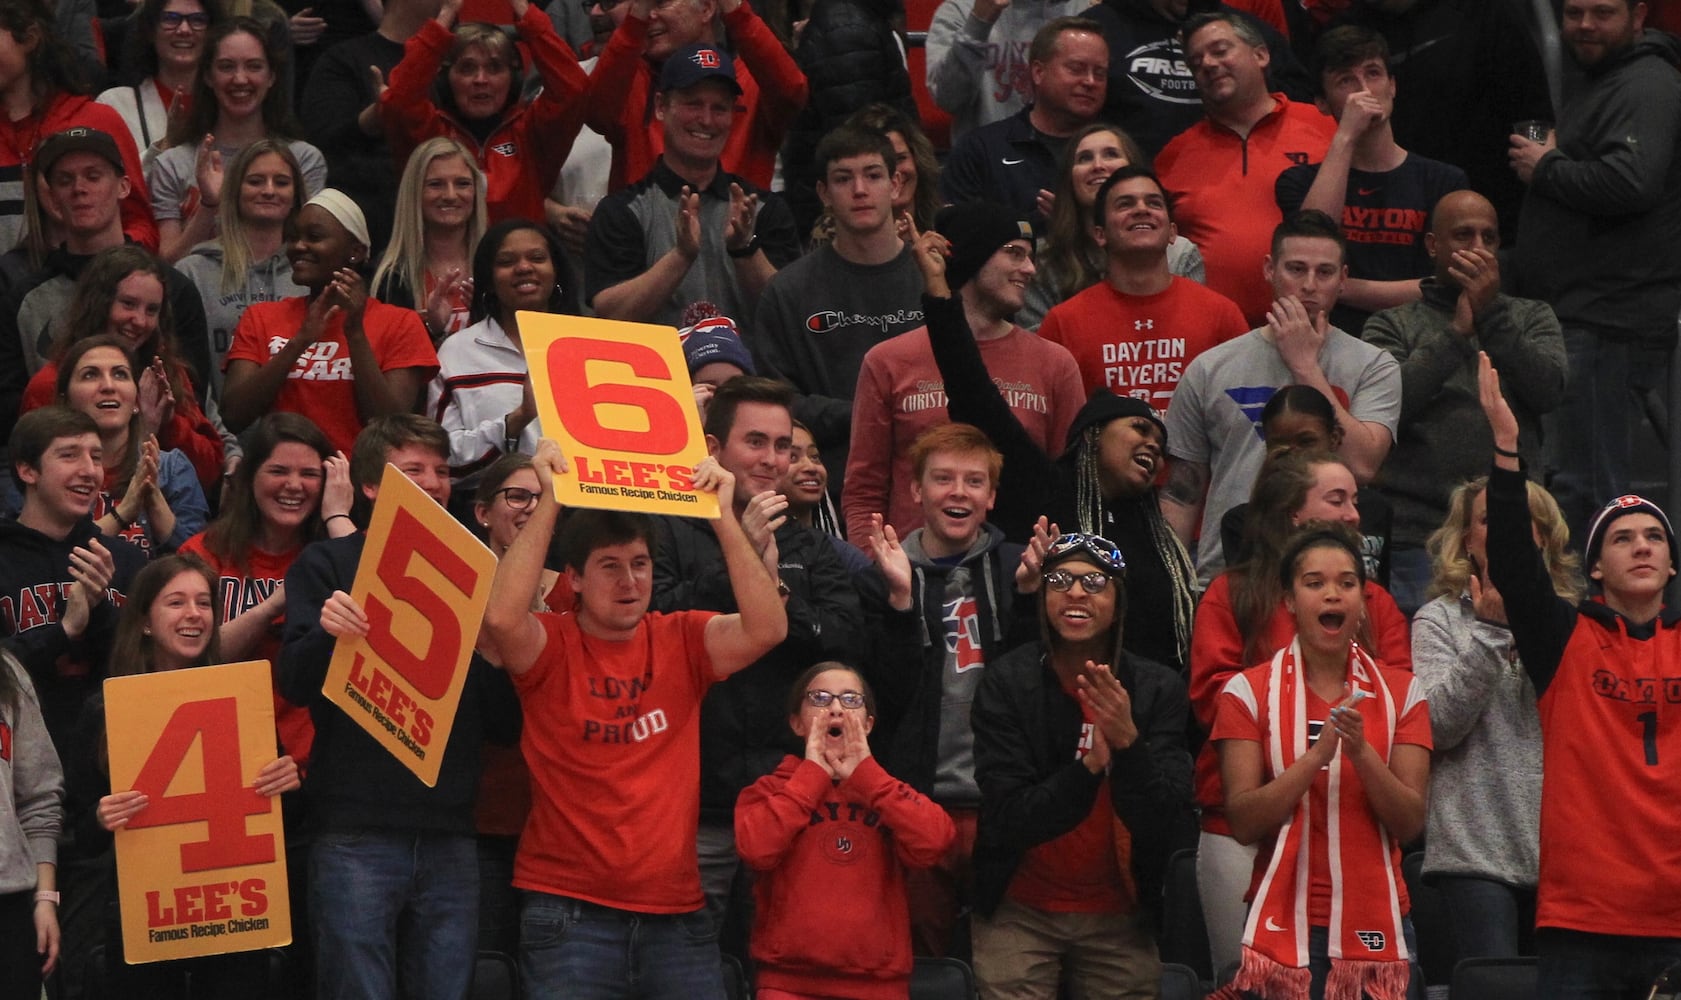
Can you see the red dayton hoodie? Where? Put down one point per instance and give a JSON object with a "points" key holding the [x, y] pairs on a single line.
{"points": [[831, 917]]}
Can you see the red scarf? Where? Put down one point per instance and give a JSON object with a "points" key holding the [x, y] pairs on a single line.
{"points": [[1366, 949]]}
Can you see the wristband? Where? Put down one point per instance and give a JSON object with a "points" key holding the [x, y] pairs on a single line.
{"points": [[123, 524], [334, 517], [1503, 453], [749, 250], [46, 896]]}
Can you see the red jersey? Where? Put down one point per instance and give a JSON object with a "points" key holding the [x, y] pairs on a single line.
{"points": [[1235, 721], [1139, 345], [1222, 188], [612, 737], [319, 385], [238, 591]]}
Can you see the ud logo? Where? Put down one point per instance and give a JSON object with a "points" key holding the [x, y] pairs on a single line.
{"points": [[503, 149], [843, 845], [706, 59], [1373, 940]]}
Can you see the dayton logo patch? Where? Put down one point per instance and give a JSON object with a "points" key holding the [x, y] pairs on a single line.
{"points": [[504, 149], [1373, 940]]}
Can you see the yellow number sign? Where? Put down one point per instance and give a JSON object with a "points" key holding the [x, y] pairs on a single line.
{"points": [[617, 398], [423, 582], [202, 869]]}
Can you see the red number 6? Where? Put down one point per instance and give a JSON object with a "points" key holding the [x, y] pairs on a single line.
{"points": [[579, 401]]}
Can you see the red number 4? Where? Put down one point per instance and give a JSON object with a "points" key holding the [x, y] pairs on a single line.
{"points": [[226, 800]]}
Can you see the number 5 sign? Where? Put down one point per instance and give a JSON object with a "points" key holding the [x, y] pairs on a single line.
{"points": [[618, 400], [201, 870], [423, 582]]}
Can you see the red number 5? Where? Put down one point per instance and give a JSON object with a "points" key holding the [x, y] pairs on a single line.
{"points": [[429, 673], [226, 799], [579, 401]]}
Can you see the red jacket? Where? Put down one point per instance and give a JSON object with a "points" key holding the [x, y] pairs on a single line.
{"points": [[1217, 654], [831, 917], [621, 100], [18, 141], [523, 156]]}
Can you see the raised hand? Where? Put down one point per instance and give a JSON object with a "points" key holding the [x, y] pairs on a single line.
{"points": [[815, 738], [307, 29], [547, 461], [350, 292], [930, 251], [91, 569], [766, 513], [156, 400], [1486, 601], [207, 171], [688, 224], [855, 745], [440, 301], [743, 217], [891, 560], [1297, 334], [1030, 572], [1495, 408], [1477, 273], [338, 494]]}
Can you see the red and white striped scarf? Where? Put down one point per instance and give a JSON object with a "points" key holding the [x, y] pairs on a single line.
{"points": [[1368, 953]]}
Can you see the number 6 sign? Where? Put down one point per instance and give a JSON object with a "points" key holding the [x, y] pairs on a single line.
{"points": [[423, 581], [617, 398], [201, 870]]}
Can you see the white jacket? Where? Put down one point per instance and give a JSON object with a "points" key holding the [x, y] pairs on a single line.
{"points": [[480, 380]]}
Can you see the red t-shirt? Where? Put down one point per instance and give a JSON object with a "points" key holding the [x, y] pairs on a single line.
{"points": [[240, 590], [1139, 345], [319, 386], [612, 736], [1412, 726], [1080, 871]]}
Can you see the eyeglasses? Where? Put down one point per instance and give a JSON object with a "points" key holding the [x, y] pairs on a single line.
{"points": [[170, 20], [1099, 548], [1061, 581], [1017, 253], [516, 498], [823, 699], [606, 5]]}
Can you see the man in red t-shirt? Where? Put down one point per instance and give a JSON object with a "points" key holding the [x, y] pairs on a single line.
{"points": [[612, 735], [1134, 332]]}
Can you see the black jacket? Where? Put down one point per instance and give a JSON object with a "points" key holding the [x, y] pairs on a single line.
{"points": [[851, 58], [1034, 790], [34, 579], [909, 664], [354, 782], [744, 730]]}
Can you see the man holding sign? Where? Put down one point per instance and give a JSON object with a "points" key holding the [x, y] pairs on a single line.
{"points": [[392, 859], [612, 702]]}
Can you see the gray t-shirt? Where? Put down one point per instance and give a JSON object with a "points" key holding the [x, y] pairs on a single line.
{"points": [[1215, 416], [175, 172], [954, 767]]}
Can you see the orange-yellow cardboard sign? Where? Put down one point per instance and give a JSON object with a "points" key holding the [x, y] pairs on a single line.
{"points": [[423, 582], [617, 399], [202, 869]]}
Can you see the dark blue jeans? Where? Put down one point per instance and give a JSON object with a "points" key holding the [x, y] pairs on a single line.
{"points": [[1490, 919], [1580, 966], [581, 951], [394, 907]]}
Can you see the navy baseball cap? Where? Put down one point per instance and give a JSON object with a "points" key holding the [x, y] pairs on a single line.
{"points": [[691, 64]]}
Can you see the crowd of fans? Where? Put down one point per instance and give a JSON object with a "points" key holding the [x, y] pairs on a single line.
{"points": [[1228, 433]]}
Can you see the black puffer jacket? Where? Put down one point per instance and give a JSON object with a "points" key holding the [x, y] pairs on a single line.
{"points": [[851, 58]]}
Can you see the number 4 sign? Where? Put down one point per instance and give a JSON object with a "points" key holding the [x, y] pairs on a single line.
{"points": [[617, 398], [200, 870], [423, 582]]}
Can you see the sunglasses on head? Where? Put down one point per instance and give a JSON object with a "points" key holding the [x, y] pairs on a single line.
{"points": [[1102, 551]]}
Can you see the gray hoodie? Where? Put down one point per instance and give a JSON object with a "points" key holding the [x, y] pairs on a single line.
{"points": [[31, 787], [267, 281]]}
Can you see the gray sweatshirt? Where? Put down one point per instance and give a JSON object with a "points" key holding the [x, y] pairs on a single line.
{"points": [[31, 787], [1484, 816]]}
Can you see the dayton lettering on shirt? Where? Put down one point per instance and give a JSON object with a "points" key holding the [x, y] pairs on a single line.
{"points": [[1398, 226], [240, 594], [629, 724], [1154, 366], [318, 363], [40, 605], [1007, 65]]}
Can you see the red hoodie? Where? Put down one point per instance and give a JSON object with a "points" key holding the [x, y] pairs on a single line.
{"points": [[831, 917]]}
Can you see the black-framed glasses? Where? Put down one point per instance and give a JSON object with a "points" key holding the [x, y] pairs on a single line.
{"points": [[517, 498], [823, 699], [198, 20], [1061, 581], [1106, 553], [606, 5]]}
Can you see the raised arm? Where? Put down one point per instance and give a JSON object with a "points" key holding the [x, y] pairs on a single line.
{"points": [[735, 641], [510, 627]]}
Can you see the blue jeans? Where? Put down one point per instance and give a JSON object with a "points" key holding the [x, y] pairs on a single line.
{"points": [[1588, 435], [1410, 573], [392, 908], [1581, 966], [1490, 919], [582, 951]]}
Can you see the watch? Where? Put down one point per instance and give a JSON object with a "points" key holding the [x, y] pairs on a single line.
{"points": [[749, 250]]}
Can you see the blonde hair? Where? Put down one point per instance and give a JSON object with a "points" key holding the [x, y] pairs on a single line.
{"points": [[405, 255], [236, 249], [1452, 563]]}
